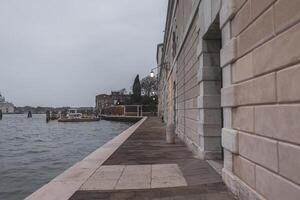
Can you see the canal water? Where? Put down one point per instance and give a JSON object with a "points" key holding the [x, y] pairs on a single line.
{"points": [[33, 152]]}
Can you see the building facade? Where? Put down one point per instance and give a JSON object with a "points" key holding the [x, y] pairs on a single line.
{"points": [[103, 101], [115, 98], [230, 83], [6, 107]]}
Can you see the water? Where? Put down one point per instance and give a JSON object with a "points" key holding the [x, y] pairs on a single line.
{"points": [[33, 152]]}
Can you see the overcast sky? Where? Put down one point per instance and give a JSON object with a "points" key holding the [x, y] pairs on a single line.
{"points": [[64, 52]]}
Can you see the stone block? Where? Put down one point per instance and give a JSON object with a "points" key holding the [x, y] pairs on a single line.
{"points": [[229, 52], [242, 69], [243, 119], [75, 174], [241, 20], [226, 33], [230, 180], [192, 135], [257, 33], [245, 192], [286, 14], [192, 114], [239, 4], [288, 82], [280, 51], [279, 122], [226, 72], [289, 161], [259, 150], [230, 140], [215, 8], [211, 59], [259, 6], [228, 160], [209, 73], [210, 87], [211, 143], [199, 50], [227, 11], [192, 124], [227, 117], [245, 170], [228, 96], [275, 187], [257, 91], [209, 101], [207, 14], [55, 190], [210, 116], [210, 130], [211, 46]]}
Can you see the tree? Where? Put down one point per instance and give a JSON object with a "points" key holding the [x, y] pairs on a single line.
{"points": [[136, 89], [149, 86]]}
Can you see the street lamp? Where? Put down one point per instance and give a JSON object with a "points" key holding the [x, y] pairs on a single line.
{"points": [[152, 74]]}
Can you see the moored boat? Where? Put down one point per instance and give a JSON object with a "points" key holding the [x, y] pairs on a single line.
{"points": [[74, 116]]}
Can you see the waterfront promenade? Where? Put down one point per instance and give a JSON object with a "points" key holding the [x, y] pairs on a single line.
{"points": [[145, 167], [138, 165]]}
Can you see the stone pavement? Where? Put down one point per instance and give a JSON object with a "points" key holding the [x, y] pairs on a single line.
{"points": [[145, 167]]}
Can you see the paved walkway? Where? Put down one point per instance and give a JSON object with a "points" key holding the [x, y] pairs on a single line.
{"points": [[145, 167]]}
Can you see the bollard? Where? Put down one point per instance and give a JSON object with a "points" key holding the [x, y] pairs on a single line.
{"points": [[170, 133], [0, 114]]}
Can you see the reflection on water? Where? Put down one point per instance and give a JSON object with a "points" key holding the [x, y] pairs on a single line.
{"points": [[33, 152]]}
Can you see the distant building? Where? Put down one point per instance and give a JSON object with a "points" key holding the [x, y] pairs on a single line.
{"points": [[103, 101], [115, 98], [6, 107], [119, 98]]}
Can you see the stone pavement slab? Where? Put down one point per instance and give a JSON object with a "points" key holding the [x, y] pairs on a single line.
{"points": [[105, 178], [167, 175], [175, 172], [135, 177]]}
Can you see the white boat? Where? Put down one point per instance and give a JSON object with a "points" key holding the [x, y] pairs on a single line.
{"points": [[74, 116]]}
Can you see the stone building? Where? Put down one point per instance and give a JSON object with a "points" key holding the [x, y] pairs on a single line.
{"points": [[230, 83], [161, 83], [6, 107], [115, 98], [103, 101]]}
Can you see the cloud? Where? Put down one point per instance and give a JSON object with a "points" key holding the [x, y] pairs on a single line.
{"points": [[64, 52]]}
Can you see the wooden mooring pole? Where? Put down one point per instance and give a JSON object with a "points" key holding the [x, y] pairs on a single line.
{"points": [[0, 114], [48, 116]]}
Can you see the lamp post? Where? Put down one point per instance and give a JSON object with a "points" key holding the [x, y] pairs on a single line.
{"points": [[170, 129], [152, 74]]}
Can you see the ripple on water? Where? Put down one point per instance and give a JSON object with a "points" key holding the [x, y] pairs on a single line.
{"points": [[33, 152]]}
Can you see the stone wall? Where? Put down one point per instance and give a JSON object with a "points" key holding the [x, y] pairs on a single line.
{"points": [[234, 79], [263, 142]]}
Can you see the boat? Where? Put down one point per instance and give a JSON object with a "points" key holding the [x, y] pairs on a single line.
{"points": [[74, 116]]}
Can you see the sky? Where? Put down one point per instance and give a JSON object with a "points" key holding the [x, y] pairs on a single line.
{"points": [[65, 52]]}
